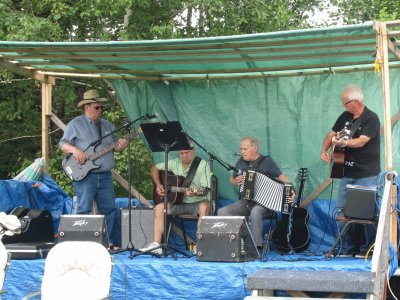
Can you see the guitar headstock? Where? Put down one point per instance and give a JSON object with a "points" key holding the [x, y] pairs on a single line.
{"points": [[303, 173], [343, 134]]}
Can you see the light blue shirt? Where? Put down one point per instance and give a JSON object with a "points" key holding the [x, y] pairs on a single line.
{"points": [[82, 131]]}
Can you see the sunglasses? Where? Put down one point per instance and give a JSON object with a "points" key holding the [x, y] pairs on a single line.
{"points": [[98, 107]]}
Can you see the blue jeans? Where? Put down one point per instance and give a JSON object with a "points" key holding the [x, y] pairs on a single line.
{"points": [[369, 230], [97, 187], [255, 212]]}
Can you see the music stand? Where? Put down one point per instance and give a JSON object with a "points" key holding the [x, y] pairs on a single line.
{"points": [[165, 137]]}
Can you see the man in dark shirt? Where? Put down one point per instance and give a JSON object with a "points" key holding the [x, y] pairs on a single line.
{"points": [[362, 158], [252, 160]]}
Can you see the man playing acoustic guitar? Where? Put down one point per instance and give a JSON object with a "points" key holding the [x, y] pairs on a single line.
{"points": [[96, 183], [361, 165], [195, 198]]}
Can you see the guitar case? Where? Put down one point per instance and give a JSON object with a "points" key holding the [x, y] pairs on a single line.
{"points": [[36, 226]]}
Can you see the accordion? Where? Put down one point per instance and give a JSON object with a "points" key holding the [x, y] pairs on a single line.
{"points": [[266, 191]]}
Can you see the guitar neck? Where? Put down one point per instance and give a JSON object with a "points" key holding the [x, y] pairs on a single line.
{"points": [[178, 189], [109, 148]]}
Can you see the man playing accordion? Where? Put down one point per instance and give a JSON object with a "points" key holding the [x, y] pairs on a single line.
{"points": [[251, 159]]}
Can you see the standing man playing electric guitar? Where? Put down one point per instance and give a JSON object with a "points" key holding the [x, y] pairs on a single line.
{"points": [[197, 175], [362, 157], [79, 135]]}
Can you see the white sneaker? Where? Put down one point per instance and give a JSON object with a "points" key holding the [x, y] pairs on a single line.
{"points": [[153, 248]]}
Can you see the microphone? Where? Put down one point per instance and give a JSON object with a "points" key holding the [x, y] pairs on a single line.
{"points": [[148, 117], [237, 153]]}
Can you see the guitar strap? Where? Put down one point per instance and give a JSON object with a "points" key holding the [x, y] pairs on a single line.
{"points": [[356, 124], [192, 171]]}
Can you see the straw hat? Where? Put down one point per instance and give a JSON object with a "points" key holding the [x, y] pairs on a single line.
{"points": [[90, 96]]}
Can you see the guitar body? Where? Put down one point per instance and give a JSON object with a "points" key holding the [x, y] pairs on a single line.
{"points": [[337, 170], [295, 224], [172, 181], [338, 155], [74, 170], [300, 236]]}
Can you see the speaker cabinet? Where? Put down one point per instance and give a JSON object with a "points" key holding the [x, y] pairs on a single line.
{"points": [[225, 239], [83, 228], [360, 202], [142, 227]]}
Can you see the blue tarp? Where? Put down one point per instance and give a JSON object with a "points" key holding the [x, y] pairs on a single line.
{"points": [[44, 194]]}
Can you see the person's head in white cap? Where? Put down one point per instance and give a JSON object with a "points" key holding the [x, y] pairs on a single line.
{"points": [[92, 104]]}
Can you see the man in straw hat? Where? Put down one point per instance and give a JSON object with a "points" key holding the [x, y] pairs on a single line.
{"points": [[79, 135]]}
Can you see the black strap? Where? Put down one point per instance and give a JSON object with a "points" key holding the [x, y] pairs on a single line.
{"points": [[99, 129], [356, 124], [192, 171], [255, 166]]}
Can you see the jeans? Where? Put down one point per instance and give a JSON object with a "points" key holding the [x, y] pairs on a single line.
{"points": [[97, 187], [255, 212], [369, 230]]}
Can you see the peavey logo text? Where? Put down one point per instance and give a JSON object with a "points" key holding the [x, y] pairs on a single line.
{"points": [[219, 225], [80, 223]]}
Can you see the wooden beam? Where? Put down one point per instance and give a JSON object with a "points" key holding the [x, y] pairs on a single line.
{"points": [[393, 120], [46, 113], [316, 192], [393, 48], [26, 72]]}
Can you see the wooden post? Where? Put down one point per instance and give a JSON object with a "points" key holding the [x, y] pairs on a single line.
{"points": [[46, 113]]}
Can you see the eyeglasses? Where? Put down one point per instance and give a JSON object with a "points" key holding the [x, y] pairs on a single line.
{"points": [[98, 107], [345, 103]]}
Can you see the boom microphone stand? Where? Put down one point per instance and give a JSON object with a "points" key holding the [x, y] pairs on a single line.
{"points": [[164, 137], [214, 179], [127, 126]]}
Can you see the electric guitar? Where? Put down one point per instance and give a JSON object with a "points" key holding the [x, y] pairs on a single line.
{"points": [[76, 171], [175, 191], [338, 156], [299, 238]]}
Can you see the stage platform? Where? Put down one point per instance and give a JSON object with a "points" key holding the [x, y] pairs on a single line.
{"points": [[148, 277]]}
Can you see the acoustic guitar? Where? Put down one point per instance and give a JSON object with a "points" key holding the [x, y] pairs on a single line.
{"points": [[299, 238], [338, 155], [175, 191], [76, 171]]}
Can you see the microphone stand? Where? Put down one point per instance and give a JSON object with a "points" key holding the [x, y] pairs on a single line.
{"points": [[127, 126], [214, 179]]}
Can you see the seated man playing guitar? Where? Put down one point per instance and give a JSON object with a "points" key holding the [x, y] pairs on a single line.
{"points": [[191, 198]]}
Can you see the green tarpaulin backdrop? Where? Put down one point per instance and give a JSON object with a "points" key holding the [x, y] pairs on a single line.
{"points": [[290, 116]]}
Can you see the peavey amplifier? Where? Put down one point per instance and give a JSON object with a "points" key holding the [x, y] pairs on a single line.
{"points": [[141, 227], [225, 239], [83, 228]]}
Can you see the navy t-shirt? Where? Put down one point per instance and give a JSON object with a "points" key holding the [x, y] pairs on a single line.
{"points": [[263, 164], [365, 161]]}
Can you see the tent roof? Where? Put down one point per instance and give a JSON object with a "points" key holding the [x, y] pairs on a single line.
{"points": [[295, 52]]}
